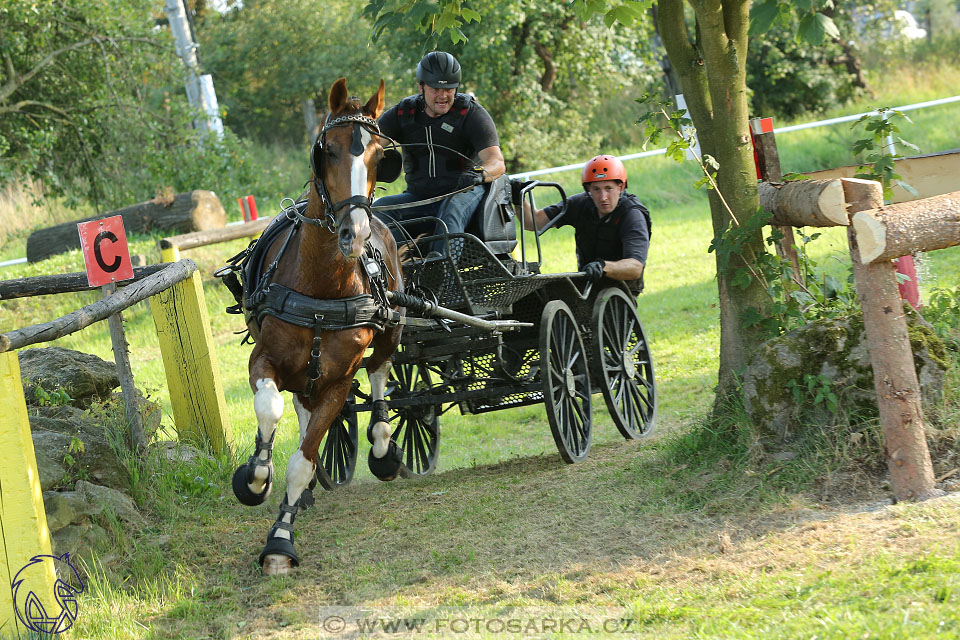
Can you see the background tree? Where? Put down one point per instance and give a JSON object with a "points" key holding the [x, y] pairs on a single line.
{"points": [[539, 68], [267, 56], [92, 105]]}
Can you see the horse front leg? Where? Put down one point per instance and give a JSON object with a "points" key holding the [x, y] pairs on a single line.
{"points": [[279, 556], [253, 481], [385, 455]]}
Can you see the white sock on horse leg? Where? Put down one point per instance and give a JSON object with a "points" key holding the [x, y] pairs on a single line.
{"points": [[299, 473], [268, 405], [381, 430]]}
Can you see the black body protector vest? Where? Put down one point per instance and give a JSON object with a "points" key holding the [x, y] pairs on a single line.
{"points": [[429, 169]]}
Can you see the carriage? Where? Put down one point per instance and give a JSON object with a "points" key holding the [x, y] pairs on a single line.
{"points": [[565, 340], [479, 328]]}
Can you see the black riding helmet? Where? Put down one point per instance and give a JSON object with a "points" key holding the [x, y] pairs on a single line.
{"points": [[440, 70]]}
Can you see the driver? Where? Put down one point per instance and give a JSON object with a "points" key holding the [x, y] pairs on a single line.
{"points": [[429, 125], [612, 227]]}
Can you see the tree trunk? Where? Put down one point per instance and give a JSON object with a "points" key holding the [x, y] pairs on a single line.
{"points": [[808, 203], [894, 375], [713, 76], [907, 227], [191, 211]]}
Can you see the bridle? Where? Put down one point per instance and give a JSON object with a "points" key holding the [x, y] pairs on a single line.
{"points": [[357, 148]]}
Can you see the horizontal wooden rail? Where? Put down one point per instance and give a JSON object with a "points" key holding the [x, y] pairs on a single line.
{"points": [[100, 310], [901, 229], [64, 283], [213, 236]]}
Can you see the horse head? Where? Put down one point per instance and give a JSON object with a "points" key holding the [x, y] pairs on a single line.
{"points": [[345, 158]]}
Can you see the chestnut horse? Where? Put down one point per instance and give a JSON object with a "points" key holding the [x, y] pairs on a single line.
{"points": [[326, 257]]}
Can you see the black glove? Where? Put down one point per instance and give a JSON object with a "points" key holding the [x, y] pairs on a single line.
{"points": [[470, 178], [516, 186], [593, 270]]}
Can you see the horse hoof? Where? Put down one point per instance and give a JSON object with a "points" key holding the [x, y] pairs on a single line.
{"points": [[277, 565], [241, 486], [387, 467], [278, 556]]}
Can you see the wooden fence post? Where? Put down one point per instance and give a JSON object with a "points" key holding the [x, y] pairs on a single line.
{"points": [[768, 170], [23, 520], [190, 362], [894, 375]]}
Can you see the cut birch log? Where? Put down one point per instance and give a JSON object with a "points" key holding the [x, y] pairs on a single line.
{"points": [[213, 236], [902, 229], [805, 203], [894, 375], [192, 211]]}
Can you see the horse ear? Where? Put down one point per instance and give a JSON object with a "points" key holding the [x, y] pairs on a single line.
{"points": [[374, 105], [338, 95]]}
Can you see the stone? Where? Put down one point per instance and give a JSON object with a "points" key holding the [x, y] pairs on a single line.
{"points": [[82, 376], [834, 352], [176, 451], [81, 541], [92, 455], [49, 449], [103, 499], [64, 508]]}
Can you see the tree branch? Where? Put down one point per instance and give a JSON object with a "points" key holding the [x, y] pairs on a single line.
{"points": [[549, 69], [18, 81], [17, 107]]}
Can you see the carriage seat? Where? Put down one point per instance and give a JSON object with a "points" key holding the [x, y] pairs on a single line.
{"points": [[493, 222]]}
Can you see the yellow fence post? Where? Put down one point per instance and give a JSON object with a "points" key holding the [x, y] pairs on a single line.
{"points": [[190, 361], [23, 520]]}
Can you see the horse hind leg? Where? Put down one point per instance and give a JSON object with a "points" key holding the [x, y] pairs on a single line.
{"points": [[385, 456], [253, 480], [278, 556]]}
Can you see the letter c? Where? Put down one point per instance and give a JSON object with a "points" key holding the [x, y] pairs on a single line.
{"points": [[108, 268]]}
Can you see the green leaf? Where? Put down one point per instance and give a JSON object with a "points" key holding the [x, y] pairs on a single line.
{"points": [[470, 15], [762, 16], [814, 27]]}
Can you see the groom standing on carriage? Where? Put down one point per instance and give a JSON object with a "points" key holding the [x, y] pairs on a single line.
{"points": [[450, 149]]}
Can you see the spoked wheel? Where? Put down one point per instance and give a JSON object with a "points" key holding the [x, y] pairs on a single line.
{"points": [[338, 456], [566, 381], [417, 430], [623, 357]]}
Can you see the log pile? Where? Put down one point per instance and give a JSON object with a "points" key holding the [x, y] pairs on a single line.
{"points": [[192, 211]]}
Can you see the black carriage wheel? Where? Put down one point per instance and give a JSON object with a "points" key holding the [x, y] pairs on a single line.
{"points": [[338, 455], [417, 429], [623, 357], [566, 381]]}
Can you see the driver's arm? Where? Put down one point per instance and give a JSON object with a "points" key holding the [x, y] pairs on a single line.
{"points": [[623, 269], [491, 159]]}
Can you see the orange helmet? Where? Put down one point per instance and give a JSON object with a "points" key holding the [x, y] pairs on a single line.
{"points": [[604, 168]]}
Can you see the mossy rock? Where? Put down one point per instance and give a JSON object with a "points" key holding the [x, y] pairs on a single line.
{"points": [[833, 351]]}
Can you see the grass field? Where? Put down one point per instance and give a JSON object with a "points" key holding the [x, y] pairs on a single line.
{"points": [[693, 534]]}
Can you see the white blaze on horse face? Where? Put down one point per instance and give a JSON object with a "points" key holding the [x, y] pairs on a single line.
{"points": [[359, 222], [381, 431]]}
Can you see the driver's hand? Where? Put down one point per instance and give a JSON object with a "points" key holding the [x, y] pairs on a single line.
{"points": [[470, 178], [516, 186], [593, 270]]}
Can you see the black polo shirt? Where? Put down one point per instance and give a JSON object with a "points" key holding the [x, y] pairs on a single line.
{"points": [[623, 233]]}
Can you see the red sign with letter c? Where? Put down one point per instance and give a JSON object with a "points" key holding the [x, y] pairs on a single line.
{"points": [[105, 251]]}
